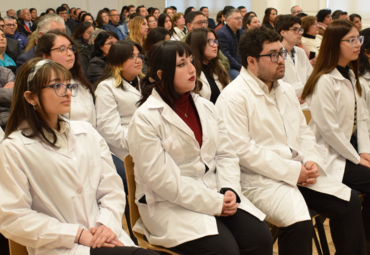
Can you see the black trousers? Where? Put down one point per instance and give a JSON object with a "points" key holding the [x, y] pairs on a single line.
{"points": [[296, 239], [122, 251], [241, 233], [346, 224]]}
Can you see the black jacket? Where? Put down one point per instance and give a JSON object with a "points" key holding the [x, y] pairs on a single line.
{"points": [[13, 48], [96, 68]]}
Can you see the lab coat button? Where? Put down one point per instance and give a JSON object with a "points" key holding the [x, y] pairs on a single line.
{"points": [[79, 191]]}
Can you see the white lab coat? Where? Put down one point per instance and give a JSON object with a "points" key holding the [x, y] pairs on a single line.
{"points": [[332, 109], [206, 88], [1, 134], [272, 140], [47, 195], [365, 85], [82, 105], [182, 199], [310, 44], [298, 71], [114, 109], [177, 34]]}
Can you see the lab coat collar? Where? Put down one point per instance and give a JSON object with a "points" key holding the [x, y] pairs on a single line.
{"points": [[130, 88], [337, 75], [366, 75]]}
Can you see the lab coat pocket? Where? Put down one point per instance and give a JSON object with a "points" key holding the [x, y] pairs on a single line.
{"points": [[95, 172], [173, 147]]}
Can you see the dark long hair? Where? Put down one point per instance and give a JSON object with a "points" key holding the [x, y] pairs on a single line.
{"points": [[364, 61], [266, 18], [88, 14], [156, 35], [328, 58], [118, 54], [197, 40], [99, 20], [162, 56], [99, 41], [81, 28], [21, 110], [46, 43]]}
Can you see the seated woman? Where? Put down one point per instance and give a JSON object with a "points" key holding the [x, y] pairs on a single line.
{"points": [[89, 18], [211, 75], [59, 47], [179, 28], [82, 35], [184, 203], [311, 40], [152, 22], [102, 19], [252, 22], [364, 60], [60, 193], [102, 43], [138, 30], [334, 95], [5, 60], [269, 18], [156, 35], [6, 92], [165, 21]]}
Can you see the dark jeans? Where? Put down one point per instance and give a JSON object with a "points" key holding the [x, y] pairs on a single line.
{"points": [[241, 233], [122, 251]]}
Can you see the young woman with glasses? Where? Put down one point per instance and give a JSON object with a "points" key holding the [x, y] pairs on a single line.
{"points": [[211, 75], [60, 191], [152, 22], [334, 95], [59, 47]]}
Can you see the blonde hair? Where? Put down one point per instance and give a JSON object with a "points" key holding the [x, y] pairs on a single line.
{"points": [[135, 27]]}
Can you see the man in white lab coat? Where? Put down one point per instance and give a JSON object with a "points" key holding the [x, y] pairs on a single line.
{"points": [[278, 152]]}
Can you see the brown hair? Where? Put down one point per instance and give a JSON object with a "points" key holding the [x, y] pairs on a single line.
{"points": [[197, 40], [328, 58], [307, 22], [175, 17], [21, 110], [266, 18], [135, 27]]}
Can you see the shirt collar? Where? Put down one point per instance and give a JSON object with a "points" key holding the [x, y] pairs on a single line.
{"points": [[263, 85]]}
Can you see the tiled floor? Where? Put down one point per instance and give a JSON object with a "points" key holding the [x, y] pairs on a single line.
{"points": [[328, 236]]}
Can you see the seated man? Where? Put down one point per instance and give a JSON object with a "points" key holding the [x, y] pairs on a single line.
{"points": [[211, 22], [6, 92], [10, 30], [113, 21], [229, 36], [297, 66], [282, 170]]}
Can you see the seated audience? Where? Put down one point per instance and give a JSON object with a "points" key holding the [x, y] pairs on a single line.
{"points": [[25, 23], [357, 20], [138, 30], [211, 76], [102, 43], [323, 20], [10, 13], [224, 11], [124, 14], [282, 170], [155, 12], [169, 11], [80, 16], [165, 21], [334, 95], [338, 14], [90, 198], [10, 30], [179, 186], [142, 11], [13, 49], [123, 30], [179, 28], [61, 48], [250, 22], [82, 35], [269, 18], [102, 19], [50, 10], [188, 10], [229, 36], [211, 22], [311, 40], [295, 10], [7, 78], [70, 26], [113, 21], [74, 16], [5, 60], [220, 19]]}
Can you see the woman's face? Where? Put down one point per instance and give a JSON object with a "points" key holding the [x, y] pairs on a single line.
{"points": [[87, 33], [272, 16], [313, 29], [210, 52], [144, 28], [152, 23], [82, 13], [347, 52], [132, 67], [170, 13], [184, 80], [180, 22], [327, 19], [2, 41], [105, 17], [125, 13], [156, 14], [108, 43], [89, 19], [167, 23], [358, 23], [254, 23], [67, 58]]}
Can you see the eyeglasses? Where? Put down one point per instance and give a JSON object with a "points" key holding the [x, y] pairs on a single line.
{"points": [[238, 18], [297, 30], [212, 42], [61, 89], [63, 49], [353, 41], [275, 56], [114, 15], [202, 22], [11, 25], [133, 58]]}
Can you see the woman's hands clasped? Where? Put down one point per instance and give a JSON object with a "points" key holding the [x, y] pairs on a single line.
{"points": [[98, 237]]}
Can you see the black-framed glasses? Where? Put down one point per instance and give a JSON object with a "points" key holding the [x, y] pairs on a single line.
{"points": [[297, 30], [275, 56], [61, 89], [63, 49], [133, 58], [11, 25], [353, 41], [212, 42], [202, 22]]}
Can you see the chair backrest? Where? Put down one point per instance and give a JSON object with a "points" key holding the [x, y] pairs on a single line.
{"points": [[17, 249], [307, 115]]}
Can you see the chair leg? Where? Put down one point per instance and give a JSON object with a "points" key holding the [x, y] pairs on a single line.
{"points": [[317, 244], [322, 235]]}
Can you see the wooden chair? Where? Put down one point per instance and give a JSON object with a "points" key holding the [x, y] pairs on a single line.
{"points": [[17, 249], [134, 212], [307, 115]]}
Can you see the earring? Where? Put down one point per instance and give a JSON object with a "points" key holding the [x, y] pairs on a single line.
{"points": [[34, 107]]}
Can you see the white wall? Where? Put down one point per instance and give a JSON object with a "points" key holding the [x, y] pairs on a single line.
{"points": [[310, 7]]}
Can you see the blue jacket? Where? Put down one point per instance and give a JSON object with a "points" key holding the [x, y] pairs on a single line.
{"points": [[211, 23], [25, 57], [20, 38], [122, 31], [229, 45], [109, 27]]}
